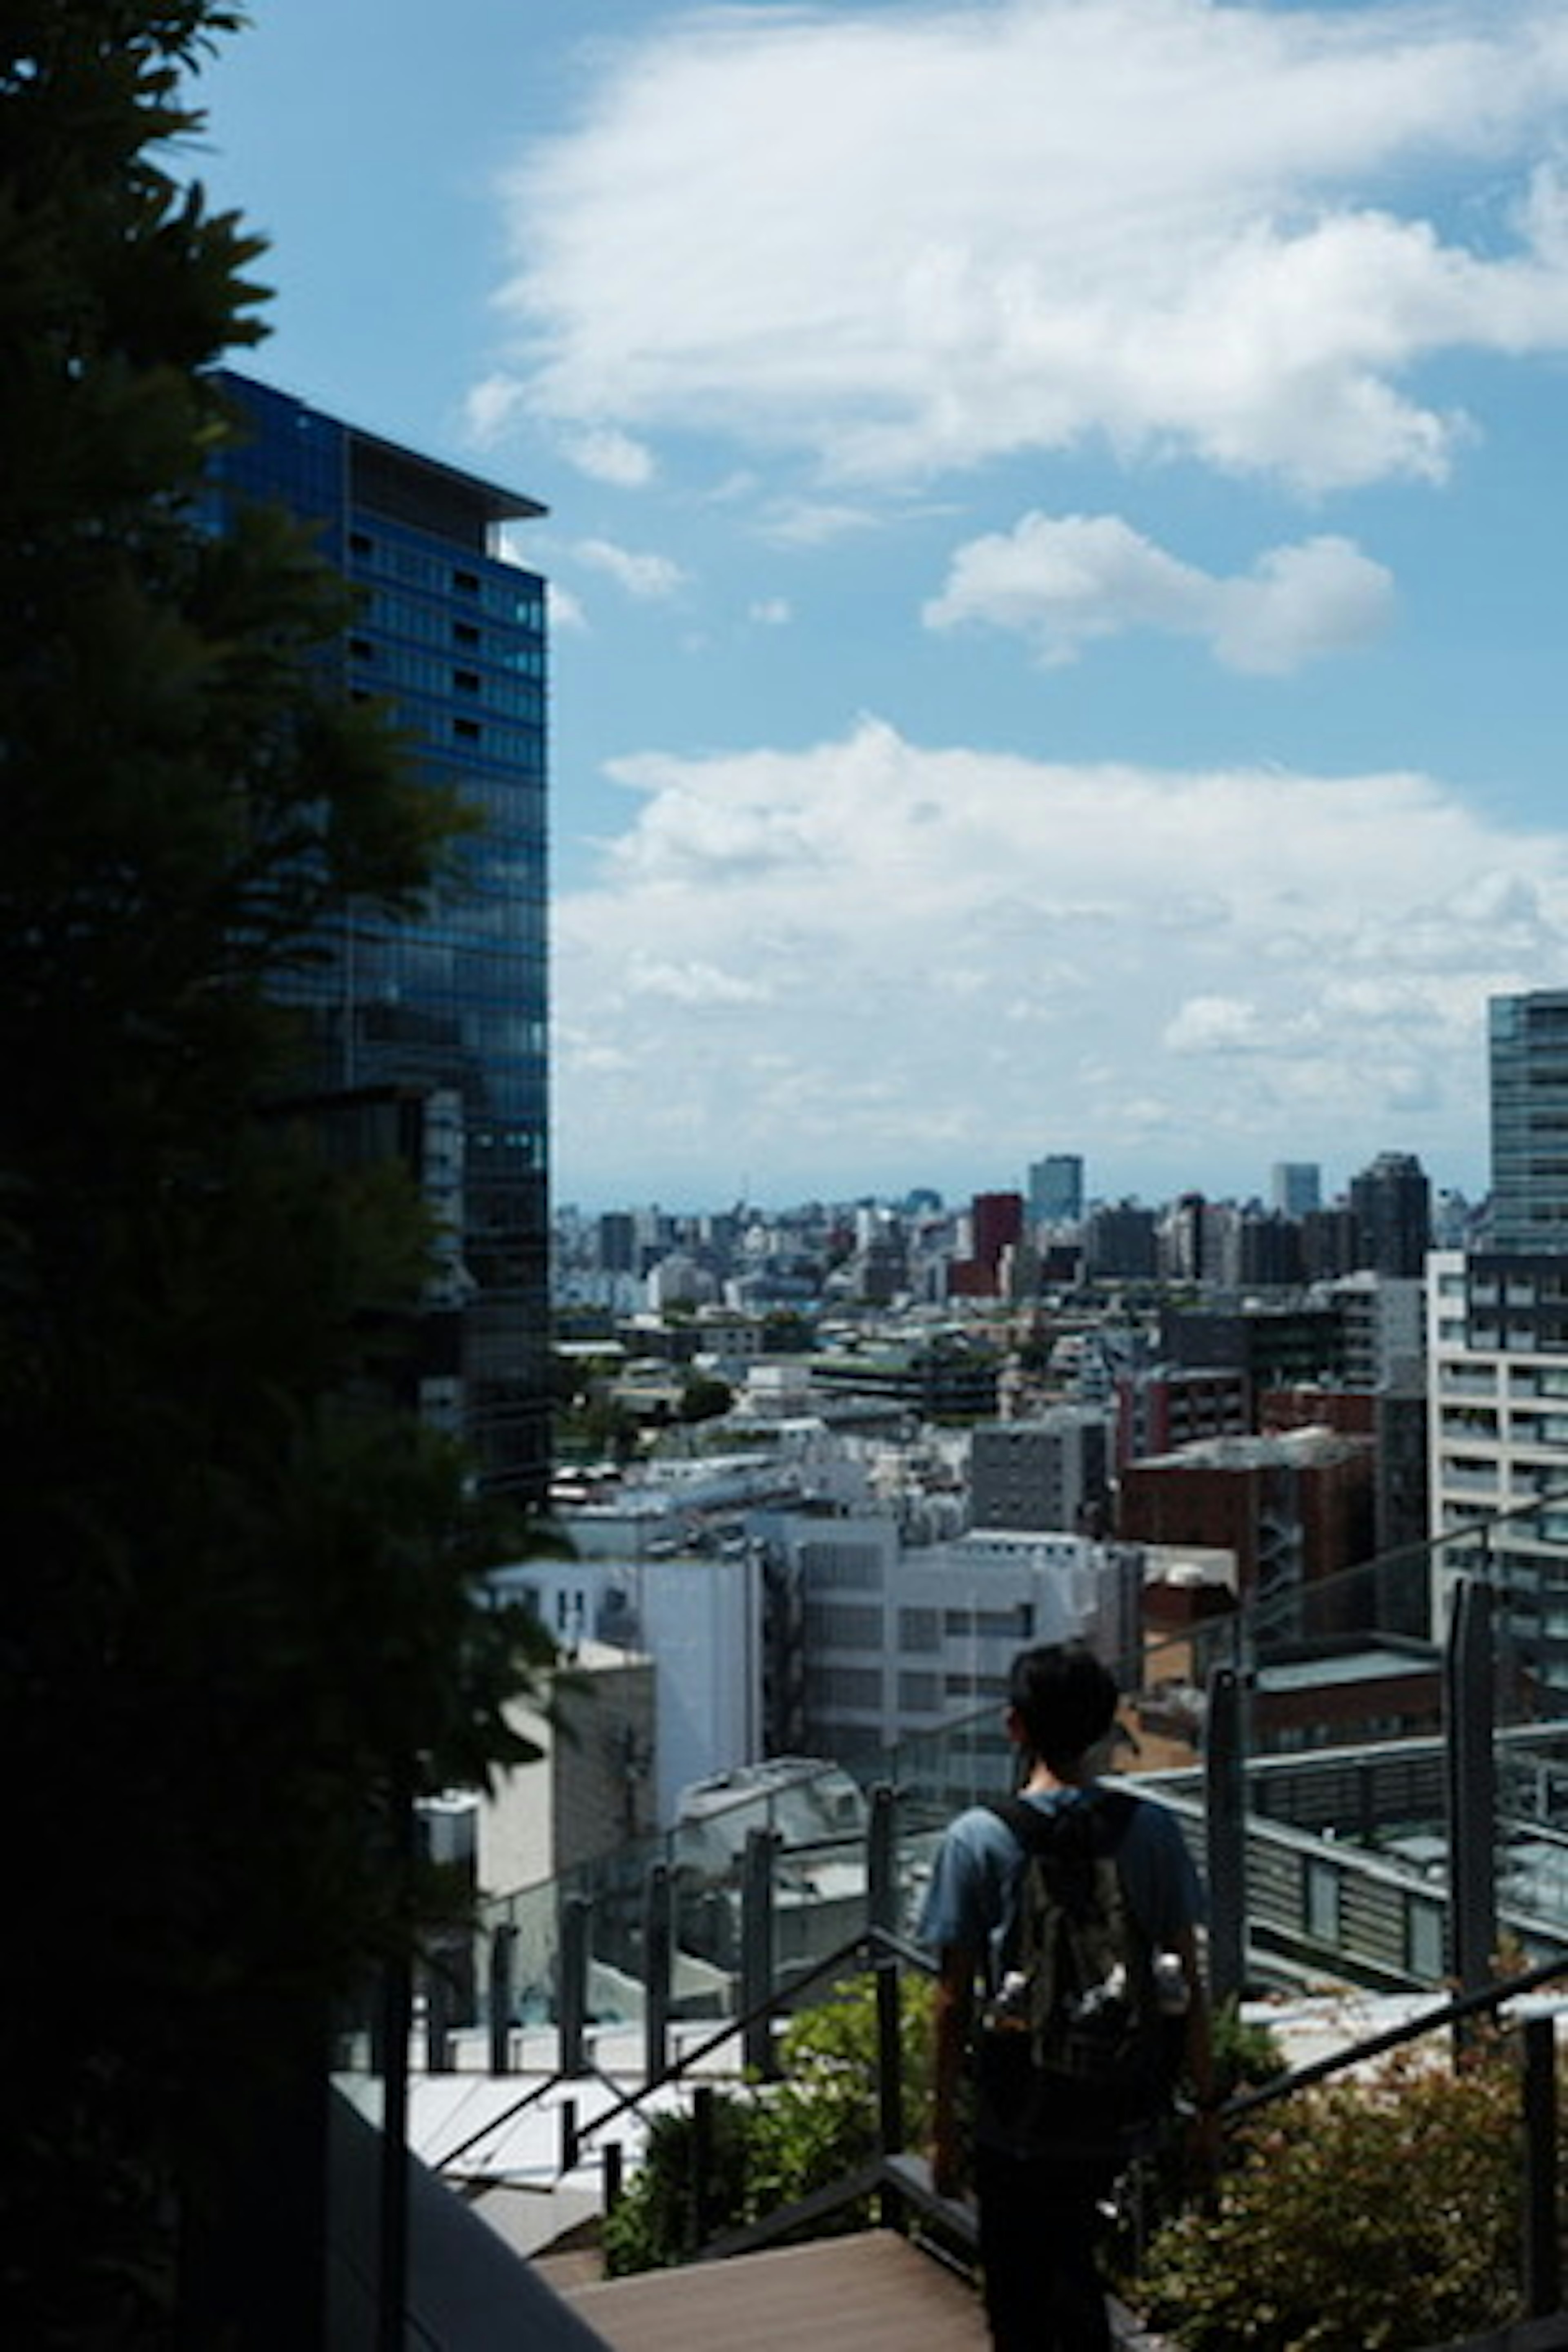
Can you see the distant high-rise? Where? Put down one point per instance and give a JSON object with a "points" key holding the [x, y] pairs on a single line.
{"points": [[1295, 1186], [447, 1012], [1120, 1243], [1529, 1070], [1391, 1203], [1056, 1188], [998, 1224]]}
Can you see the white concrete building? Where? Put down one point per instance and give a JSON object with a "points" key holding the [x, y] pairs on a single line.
{"points": [[698, 1617], [887, 1642], [1498, 1440]]}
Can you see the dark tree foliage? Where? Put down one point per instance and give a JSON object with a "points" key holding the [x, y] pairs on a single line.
{"points": [[238, 1606]]}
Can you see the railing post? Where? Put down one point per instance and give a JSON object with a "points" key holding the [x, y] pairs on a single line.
{"points": [[503, 1986], [1224, 1806], [438, 2019], [571, 1983], [613, 2175], [881, 1912], [397, 2021], [1542, 2262], [569, 2147], [1470, 1711], [655, 1949], [702, 2157], [757, 1952]]}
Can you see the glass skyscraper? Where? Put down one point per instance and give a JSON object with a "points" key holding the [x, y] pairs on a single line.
{"points": [[1056, 1188], [429, 1036], [1528, 1067]]}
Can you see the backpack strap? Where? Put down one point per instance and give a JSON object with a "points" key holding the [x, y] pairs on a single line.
{"points": [[1105, 1813]]}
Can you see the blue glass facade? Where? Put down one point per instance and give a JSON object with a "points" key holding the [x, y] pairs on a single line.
{"points": [[452, 1008]]}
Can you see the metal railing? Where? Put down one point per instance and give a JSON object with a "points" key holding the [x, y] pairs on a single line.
{"points": [[1374, 1860]]}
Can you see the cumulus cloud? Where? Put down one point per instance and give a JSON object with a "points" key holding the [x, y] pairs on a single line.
{"points": [[490, 407], [608, 455], [771, 611], [893, 958], [1061, 581], [565, 610], [690, 983], [909, 239], [649, 578]]}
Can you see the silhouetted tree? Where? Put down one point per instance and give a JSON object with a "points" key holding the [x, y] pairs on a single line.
{"points": [[239, 1613]]}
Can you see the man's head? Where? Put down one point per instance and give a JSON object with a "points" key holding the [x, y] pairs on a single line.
{"points": [[1063, 1700]]}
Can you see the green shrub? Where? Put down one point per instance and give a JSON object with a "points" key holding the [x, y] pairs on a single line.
{"points": [[1366, 2216], [655, 2225], [1246, 2050], [777, 2142], [821, 2122]]}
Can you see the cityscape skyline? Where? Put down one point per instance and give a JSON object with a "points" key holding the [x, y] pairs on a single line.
{"points": [[1036, 646]]}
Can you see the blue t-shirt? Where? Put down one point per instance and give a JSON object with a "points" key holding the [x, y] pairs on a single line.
{"points": [[975, 1881]]}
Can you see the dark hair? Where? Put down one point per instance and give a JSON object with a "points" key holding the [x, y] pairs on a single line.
{"points": [[1065, 1699]]}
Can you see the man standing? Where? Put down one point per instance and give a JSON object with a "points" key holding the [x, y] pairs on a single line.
{"points": [[1039, 2188]]}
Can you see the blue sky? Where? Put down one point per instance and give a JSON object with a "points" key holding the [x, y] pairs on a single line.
{"points": [[1054, 542]]}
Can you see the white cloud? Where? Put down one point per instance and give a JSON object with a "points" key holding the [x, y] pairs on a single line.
{"points": [[649, 578], [816, 522], [1061, 581], [566, 609], [907, 239], [690, 983], [608, 455], [490, 407], [771, 611], [1217, 1025], [870, 960]]}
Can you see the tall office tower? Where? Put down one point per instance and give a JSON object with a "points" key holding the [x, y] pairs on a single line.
{"points": [[1295, 1186], [1391, 1203], [998, 1222], [1529, 1066], [1056, 1188], [445, 1016]]}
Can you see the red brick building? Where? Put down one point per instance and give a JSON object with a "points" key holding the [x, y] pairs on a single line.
{"points": [[1295, 1510]]}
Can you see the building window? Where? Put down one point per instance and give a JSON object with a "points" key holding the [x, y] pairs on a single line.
{"points": [[920, 1630], [858, 1687], [844, 1624]]}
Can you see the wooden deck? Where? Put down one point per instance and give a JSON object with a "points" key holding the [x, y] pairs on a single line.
{"points": [[873, 2291]]}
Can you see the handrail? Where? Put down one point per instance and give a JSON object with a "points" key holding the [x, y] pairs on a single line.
{"points": [[1457, 2010], [855, 1951]]}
